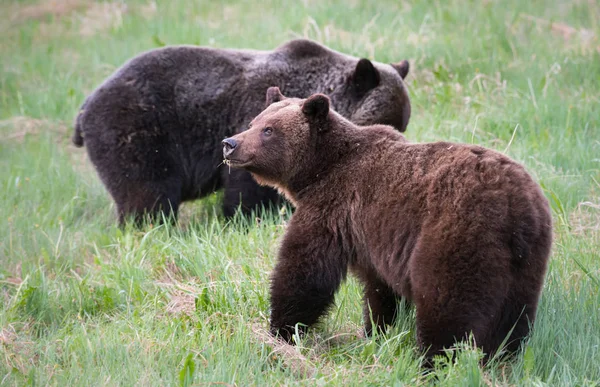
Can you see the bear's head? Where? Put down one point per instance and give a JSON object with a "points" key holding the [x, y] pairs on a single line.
{"points": [[374, 93], [365, 92], [287, 140]]}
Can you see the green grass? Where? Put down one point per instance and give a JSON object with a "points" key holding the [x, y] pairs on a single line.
{"points": [[85, 303]]}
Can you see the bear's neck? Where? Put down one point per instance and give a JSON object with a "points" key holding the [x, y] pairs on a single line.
{"points": [[332, 149]]}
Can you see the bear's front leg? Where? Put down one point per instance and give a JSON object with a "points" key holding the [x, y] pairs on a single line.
{"points": [[309, 270]]}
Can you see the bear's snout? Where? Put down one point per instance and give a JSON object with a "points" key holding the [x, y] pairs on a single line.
{"points": [[229, 145]]}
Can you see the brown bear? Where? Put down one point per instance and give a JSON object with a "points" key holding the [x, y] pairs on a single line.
{"points": [[461, 231], [153, 129]]}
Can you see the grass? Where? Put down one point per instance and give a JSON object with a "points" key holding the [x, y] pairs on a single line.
{"points": [[85, 303]]}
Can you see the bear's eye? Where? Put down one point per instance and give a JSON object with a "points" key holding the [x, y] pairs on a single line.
{"points": [[267, 131]]}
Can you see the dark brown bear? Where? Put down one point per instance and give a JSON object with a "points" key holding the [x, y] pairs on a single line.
{"points": [[461, 231], [153, 130]]}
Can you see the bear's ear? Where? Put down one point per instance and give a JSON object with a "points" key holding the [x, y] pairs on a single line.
{"points": [[402, 68], [274, 95], [316, 106], [365, 77]]}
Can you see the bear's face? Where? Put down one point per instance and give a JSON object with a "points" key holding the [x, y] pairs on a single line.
{"points": [[281, 140], [375, 93]]}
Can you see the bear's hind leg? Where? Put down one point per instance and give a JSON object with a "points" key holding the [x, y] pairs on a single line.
{"points": [[438, 331], [147, 201], [458, 295], [515, 320], [520, 308], [380, 302]]}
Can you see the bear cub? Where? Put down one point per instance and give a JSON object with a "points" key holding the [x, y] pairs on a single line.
{"points": [[462, 232]]}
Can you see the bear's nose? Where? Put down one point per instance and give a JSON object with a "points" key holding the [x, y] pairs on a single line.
{"points": [[229, 145]]}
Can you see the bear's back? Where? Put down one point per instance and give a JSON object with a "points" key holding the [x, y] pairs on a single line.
{"points": [[388, 181], [163, 66], [450, 184], [299, 49]]}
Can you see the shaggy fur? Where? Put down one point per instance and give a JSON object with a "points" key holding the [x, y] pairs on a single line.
{"points": [[461, 231], [153, 129]]}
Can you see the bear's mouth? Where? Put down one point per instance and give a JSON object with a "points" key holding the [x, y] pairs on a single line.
{"points": [[236, 162]]}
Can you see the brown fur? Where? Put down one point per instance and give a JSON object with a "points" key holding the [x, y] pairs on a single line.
{"points": [[153, 128], [461, 231]]}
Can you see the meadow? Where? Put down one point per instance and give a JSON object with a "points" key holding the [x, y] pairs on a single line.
{"points": [[83, 302]]}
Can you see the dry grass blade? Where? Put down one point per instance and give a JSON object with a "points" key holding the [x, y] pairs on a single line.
{"points": [[29, 126], [585, 36], [101, 17], [43, 9], [290, 354], [586, 218]]}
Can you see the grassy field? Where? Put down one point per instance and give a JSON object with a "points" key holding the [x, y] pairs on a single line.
{"points": [[85, 303]]}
